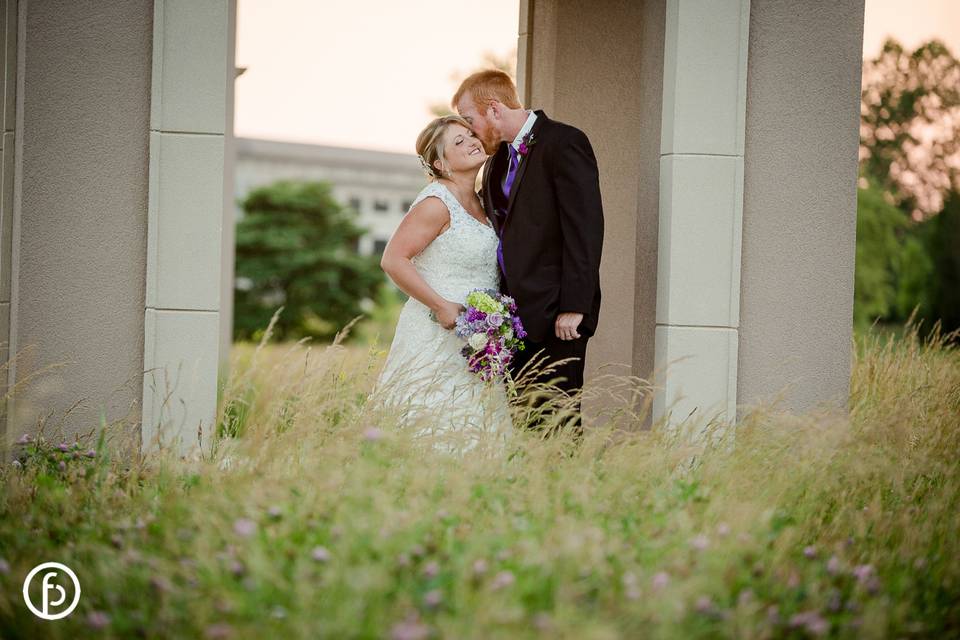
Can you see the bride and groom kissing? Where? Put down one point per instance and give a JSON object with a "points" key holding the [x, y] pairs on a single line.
{"points": [[534, 233]]}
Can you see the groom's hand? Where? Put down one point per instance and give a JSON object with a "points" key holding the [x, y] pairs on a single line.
{"points": [[566, 325]]}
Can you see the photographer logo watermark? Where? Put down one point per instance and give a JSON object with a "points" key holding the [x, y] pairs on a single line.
{"points": [[52, 595]]}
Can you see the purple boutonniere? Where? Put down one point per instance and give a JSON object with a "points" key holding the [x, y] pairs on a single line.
{"points": [[528, 141]]}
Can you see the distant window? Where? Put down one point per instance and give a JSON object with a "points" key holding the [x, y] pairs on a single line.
{"points": [[407, 204], [355, 204], [381, 205], [379, 246]]}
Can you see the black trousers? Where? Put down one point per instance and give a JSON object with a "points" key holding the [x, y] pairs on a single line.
{"points": [[570, 373]]}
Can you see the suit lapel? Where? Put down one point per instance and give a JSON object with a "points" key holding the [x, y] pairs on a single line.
{"points": [[524, 162], [491, 182]]}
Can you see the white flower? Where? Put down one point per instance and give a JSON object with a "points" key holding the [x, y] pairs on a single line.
{"points": [[477, 341]]}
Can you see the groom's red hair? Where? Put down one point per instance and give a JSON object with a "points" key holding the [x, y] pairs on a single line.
{"points": [[485, 86]]}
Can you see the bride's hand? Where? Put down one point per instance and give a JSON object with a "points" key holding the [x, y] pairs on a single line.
{"points": [[447, 314]]}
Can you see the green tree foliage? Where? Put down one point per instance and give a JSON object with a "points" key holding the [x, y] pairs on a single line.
{"points": [[908, 223], [296, 247], [880, 226]]}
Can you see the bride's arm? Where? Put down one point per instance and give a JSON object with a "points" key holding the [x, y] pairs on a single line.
{"points": [[422, 224]]}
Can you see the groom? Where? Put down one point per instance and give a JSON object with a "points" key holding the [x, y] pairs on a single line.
{"points": [[541, 185]]}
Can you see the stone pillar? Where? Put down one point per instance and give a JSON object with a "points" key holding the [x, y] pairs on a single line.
{"points": [[185, 216], [112, 196], [77, 224], [800, 203], [8, 92], [730, 198], [701, 205], [599, 67], [228, 244]]}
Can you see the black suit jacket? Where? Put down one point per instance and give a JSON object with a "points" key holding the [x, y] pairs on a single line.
{"points": [[552, 232]]}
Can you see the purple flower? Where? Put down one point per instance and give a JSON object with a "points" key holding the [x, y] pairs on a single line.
{"points": [[502, 580], [4, 566], [24, 439], [410, 629], [494, 319], [244, 527], [660, 580], [810, 552], [63, 446], [320, 554], [91, 453], [431, 569], [98, 620], [372, 434], [433, 598], [700, 542]]}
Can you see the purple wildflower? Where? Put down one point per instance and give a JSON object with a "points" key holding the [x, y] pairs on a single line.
{"points": [[660, 580], [502, 580], [244, 527], [98, 620], [24, 439], [320, 554]]}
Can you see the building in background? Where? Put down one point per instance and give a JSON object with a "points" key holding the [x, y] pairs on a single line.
{"points": [[380, 186]]}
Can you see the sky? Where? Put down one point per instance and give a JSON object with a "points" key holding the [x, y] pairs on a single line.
{"points": [[364, 73]]}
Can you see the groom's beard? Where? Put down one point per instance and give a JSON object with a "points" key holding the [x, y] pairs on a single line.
{"points": [[490, 142]]}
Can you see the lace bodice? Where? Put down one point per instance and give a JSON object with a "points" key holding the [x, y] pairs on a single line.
{"points": [[462, 258]]}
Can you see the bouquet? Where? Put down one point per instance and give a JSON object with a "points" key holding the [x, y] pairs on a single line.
{"points": [[493, 332]]}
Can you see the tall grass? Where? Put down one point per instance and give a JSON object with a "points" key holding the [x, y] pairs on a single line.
{"points": [[314, 516]]}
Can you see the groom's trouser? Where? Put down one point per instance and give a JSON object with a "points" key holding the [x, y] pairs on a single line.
{"points": [[571, 372]]}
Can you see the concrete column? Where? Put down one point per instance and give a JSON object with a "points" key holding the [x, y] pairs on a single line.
{"points": [[228, 244], [599, 67], [701, 205], [800, 203], [8, 86], [185, 216], [74, 224]]}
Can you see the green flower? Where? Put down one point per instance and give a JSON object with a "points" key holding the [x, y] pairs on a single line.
{"points": [[484, 302]]}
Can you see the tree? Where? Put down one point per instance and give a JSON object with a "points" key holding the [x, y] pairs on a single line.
{"points": [[910, 125], [296, 247], [506, 63]]}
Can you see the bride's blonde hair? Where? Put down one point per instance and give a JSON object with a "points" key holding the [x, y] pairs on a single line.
{"points": [[430, 143]]}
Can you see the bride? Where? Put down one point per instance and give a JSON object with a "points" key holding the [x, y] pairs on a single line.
{"points": [[443, 248]]}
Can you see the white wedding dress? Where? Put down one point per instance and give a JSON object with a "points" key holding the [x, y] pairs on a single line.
{"points": [[425, 376]]}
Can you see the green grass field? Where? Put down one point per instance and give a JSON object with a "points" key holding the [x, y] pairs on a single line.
{"points": [[314, 517]]}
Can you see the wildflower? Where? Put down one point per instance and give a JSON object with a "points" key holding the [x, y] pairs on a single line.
{"points": [[862, 572], [218, 631], [160, 583], [244, 527], [116, 540], [24, 439], [372, 434], [410, 629], [811, 621], [403, 560], [320, 554], [810, 552], [417, 551], [98, 620], [91, 453], [773, 614], [745, 597], [723, 529], [479, 567], [4, 566], [833, 565], [660, 580], [700, 542], [704, 604], [274, 512], [63, 446], [542, 622], [502, 580], [237, 568], [433, 598], [62, 466], [431, 569]]}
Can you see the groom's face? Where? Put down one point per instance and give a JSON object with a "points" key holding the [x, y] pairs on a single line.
{"points": [[484, 124]]}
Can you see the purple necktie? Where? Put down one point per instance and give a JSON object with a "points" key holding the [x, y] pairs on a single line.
{"points": [[507, 184]]}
